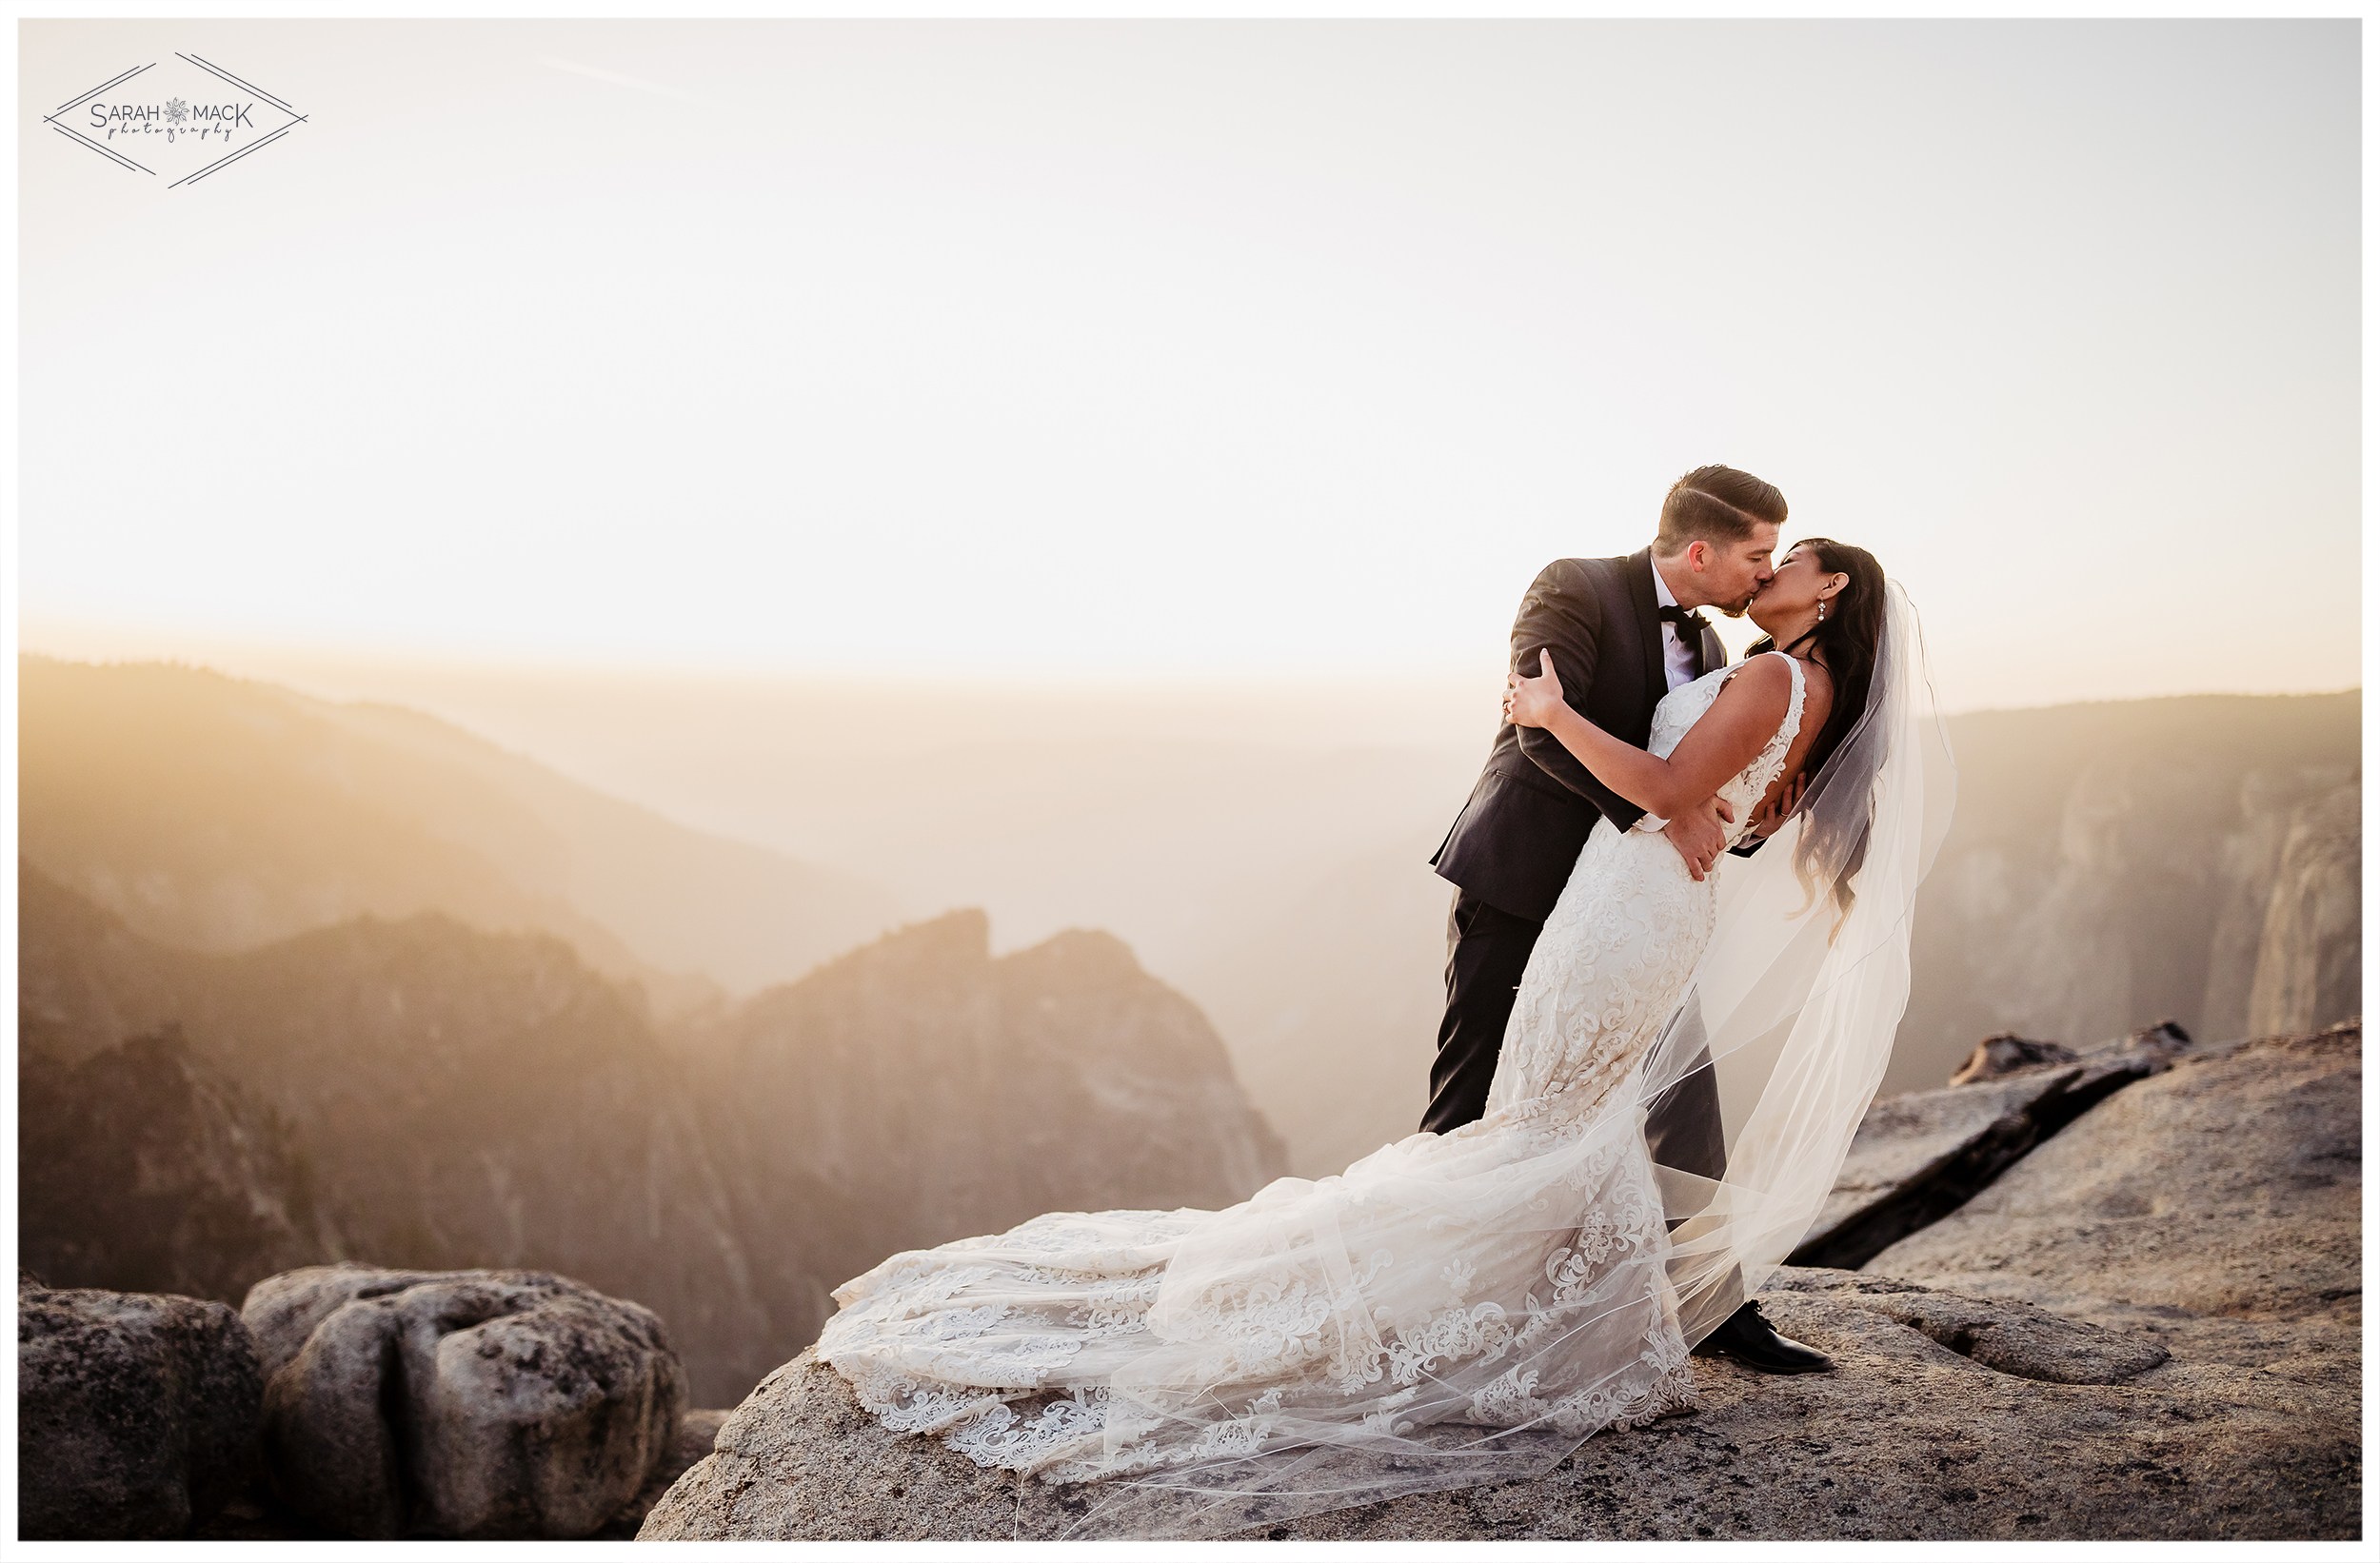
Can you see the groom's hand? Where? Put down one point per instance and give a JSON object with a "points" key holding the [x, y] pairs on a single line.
{"points": [[1771, 811], [1700, 834]]}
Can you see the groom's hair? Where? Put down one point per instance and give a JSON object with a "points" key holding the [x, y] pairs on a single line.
{"points": [[1715, 504]]}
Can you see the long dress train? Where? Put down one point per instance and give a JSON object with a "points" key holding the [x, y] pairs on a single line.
{"points": [[1453, 1307]]}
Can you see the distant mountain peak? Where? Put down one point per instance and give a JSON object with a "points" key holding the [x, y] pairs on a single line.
{"points": [[221, 813]]}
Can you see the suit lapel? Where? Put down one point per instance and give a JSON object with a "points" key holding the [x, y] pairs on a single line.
{"points": [[1709, 653], [1647, 625]]}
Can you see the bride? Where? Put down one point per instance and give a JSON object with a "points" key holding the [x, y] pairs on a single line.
{"points": [[1466, 1307]]}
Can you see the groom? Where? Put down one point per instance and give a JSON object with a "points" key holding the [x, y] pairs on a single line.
{"points": [[1628, 627]]}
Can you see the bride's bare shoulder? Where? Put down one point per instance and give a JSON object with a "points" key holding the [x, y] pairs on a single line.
{"points": [[1765, 685], [1766, 679], [1751, 700]]}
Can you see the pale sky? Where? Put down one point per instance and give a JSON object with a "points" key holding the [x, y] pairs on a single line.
{"points": [[1064, 351]]}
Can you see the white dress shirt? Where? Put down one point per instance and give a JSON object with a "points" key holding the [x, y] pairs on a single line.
{"points": [[1678, 659]]}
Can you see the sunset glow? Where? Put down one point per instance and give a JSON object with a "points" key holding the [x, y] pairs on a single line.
{"points": [[1068, 352]]}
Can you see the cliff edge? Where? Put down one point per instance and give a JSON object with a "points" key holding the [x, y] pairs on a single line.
{"points": [[2147, 1326]]}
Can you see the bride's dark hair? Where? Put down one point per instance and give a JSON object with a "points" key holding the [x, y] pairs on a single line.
{"points": [[1845, 642]]}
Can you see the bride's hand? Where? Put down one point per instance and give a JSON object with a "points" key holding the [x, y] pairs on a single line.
{"points": [[1531, 702]]}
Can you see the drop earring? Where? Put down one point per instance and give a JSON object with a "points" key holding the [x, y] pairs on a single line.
{"points": [[1822, 610]]}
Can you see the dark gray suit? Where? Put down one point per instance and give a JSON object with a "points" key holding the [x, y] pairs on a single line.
{"points": [[1511, 850]]}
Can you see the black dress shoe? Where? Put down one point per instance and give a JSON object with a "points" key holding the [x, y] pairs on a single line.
{"points": [[1751, 1339]]}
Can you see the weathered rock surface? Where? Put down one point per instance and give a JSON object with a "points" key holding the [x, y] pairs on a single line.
{"points": [[2007, 1053], [698, 1434], [2146, 1328], [2218, 1206], [136, 1413], [1919, 1156], [2008, 1337], [480, 1404], [1936, 1424], [252, 1516]]}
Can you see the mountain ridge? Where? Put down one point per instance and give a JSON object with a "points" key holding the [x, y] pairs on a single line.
{"points": [[216, 812], [460, 1099]]}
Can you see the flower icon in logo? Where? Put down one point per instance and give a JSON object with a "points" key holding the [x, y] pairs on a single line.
{"points": [[176, 110]]}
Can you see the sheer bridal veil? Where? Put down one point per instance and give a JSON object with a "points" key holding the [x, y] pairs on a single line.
{"points": [[1793, 1006]]}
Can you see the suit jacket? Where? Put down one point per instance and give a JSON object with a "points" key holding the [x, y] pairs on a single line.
{"points": [[1519, 834]]}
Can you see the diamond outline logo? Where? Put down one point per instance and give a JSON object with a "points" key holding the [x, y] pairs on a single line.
{"points": [[176, 111]]}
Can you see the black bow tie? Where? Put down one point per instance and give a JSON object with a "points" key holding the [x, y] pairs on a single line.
{"points": [[1690, 626]]}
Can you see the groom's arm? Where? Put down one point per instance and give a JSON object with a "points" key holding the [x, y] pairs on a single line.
{"points": [[1564, 610]]}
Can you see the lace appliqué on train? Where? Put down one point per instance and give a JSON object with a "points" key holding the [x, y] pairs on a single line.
{"points": [[1507, 1276]]}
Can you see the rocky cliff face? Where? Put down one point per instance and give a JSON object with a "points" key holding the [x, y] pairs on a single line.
{"points": [[146, 1169], [460, 1100], [2111, 865], [2147, 1326], [2309, 962], [920, 1090]]}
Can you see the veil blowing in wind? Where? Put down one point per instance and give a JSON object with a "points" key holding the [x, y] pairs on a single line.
{"points": [[1794, 1004], [1467, 1306]]}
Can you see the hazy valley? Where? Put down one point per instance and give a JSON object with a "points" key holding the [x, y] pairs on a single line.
{"points": [[444, 1004], [1266, 853]]}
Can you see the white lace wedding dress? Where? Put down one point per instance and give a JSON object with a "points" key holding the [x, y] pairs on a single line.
{"points": [[1345, 1340]]}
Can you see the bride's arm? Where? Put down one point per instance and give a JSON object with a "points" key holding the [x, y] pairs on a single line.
{"points": [[1726, 739]]}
